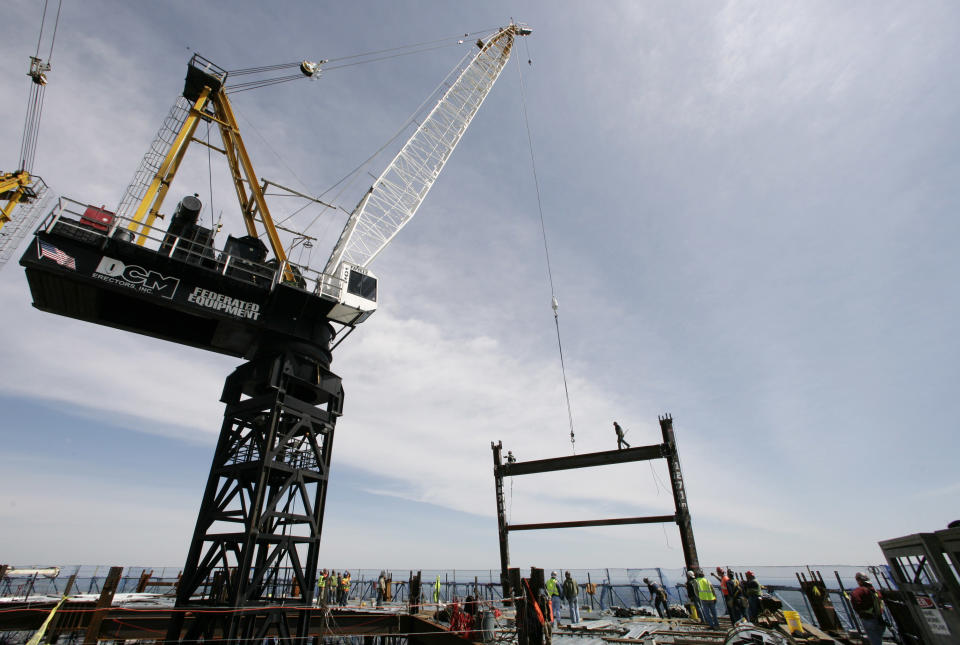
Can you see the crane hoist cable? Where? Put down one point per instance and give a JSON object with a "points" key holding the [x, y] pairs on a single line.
{"points": [[307, 71], [38, 67], [554, 303], [210, 176], [354, 174]]}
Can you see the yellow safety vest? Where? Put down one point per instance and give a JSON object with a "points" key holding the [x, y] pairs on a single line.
{"points": [[322, 581], [553, 588], [705, 589]]}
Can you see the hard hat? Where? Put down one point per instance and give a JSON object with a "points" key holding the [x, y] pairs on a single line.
{"points": [[749, 574], [719, 569], [690, 574], [861, 577], [553, 573]]}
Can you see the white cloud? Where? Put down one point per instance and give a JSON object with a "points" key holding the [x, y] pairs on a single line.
{"points": [[154, 385], [742, 204]]}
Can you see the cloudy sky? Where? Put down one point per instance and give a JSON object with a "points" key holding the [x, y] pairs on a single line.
{"points": [[750, 211]]}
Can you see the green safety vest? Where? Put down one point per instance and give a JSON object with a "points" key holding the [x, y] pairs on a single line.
{"points": [[705, 589], [552, 587], [322, 581], [436, 590], [753, 588]]}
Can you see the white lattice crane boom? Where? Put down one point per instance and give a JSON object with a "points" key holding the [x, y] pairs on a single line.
{"points": [[400, 189]]}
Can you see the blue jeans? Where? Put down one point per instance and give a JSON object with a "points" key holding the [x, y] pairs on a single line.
{"points": [[556, 603], [874, 628], [574, 608], [709, 612]]}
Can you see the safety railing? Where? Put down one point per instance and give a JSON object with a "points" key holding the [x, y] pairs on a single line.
{"points": [[610, 587], [68, 218]]}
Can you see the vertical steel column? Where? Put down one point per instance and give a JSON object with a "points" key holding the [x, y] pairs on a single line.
{"points": [[259, 526], [501, 519], [522, 620], [679, 494], [103, 605]]}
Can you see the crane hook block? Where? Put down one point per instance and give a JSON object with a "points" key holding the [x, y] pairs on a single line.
{"points": [[311, 69]]}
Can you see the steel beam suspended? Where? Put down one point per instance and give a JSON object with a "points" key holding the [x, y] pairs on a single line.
{"points": [[589, 460], [666, 450], [616, 521]]}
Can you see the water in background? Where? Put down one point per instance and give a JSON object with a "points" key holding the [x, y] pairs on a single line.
{"points": [[615, 587]]}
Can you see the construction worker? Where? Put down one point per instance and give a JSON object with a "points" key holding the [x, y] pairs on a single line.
{"points": [[695, 611], [866, 602], [621, 442], [721, 576], [333, 587], [381, 588], [752, 589], [736, 603], [321, 588], [658, 596], [436, 591], [571, 592], [553, 591], [708, 600], [510, 458], [345, 586]]}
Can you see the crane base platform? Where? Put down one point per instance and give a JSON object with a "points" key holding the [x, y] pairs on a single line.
{"points": [[206, 299]]}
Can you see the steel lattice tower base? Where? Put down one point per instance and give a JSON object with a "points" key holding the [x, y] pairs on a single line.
{"points": [[257, 539]]}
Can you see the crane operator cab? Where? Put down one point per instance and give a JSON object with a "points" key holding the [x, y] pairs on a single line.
{"points": [[358, 291]]}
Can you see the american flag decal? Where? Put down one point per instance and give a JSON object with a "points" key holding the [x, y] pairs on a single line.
{"points": [[48, 250]]}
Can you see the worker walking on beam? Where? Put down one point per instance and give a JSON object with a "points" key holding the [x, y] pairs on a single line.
{"points": [[621, 442]]}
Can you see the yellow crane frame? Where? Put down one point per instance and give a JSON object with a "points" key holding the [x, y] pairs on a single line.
{"points": [[213, 105], [13, 187]]}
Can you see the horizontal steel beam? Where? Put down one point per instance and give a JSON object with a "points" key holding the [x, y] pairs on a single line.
{"points": [[653, 519], [640, 453]]}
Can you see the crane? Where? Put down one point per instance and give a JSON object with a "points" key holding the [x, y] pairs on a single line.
{"points": [[24, 196], [262, 510]]}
